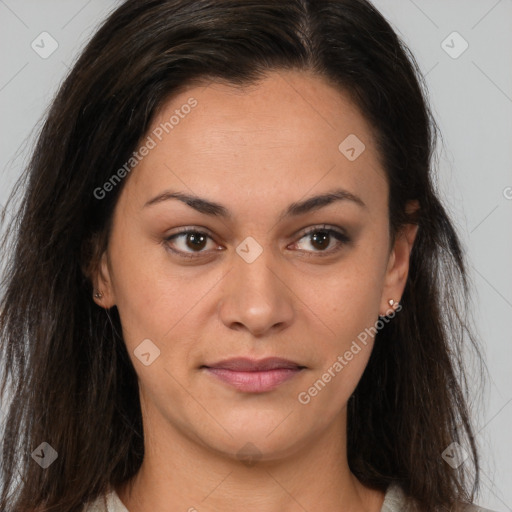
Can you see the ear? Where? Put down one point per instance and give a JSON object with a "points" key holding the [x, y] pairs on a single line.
{"points": [[398, 263], [102, 283]]}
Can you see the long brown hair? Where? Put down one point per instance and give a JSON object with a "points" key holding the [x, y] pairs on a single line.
{"points": [[68, 379]]}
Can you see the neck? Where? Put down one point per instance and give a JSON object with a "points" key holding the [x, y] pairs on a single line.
{"points": [[182, 474]]}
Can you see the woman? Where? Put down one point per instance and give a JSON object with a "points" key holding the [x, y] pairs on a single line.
{"points": [[232, 283]]}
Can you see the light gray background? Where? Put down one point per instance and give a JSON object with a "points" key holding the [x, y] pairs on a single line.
{"points": [[471, 98]]}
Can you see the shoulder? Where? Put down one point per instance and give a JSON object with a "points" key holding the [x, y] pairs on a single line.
{"points": [[108, 502], [396, 501]]}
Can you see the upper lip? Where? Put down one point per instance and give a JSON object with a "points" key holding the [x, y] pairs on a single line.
{"points": [[245, 364]]}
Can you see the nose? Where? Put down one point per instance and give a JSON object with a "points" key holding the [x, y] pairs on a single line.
{"points": [[255, 297]]}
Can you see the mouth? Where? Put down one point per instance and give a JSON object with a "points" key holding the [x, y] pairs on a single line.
{"points": [[254, 376]]}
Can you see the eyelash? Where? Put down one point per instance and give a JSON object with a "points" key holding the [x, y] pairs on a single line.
{"points": [[342, 239]]}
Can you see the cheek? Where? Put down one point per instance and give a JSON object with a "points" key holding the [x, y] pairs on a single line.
{"points": [[347, 311], [155, 300], [347, 298], [143, 295]]}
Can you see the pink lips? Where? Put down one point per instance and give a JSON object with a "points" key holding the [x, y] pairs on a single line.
{"points": [[254, 376]]}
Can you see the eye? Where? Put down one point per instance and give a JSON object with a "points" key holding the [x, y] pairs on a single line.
{"points": [[190, 239], [324, 240], [193, 242]]}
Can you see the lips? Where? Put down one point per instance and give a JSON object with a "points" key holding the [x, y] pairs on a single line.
{"points": [[253, 376], [243, 364]]}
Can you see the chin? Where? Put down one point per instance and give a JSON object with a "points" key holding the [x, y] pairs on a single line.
{"points": [[258, 442]]}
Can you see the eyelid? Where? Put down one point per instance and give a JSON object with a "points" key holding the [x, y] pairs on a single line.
{"points": [[190, 229], [320, 227], [342, 239], [183, 231]]}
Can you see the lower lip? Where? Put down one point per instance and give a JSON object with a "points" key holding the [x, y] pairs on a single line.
{"points": [[254, 382]]}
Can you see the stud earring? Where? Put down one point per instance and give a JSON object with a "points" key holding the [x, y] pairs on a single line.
{"points": [[98, 295], [392, 303]]}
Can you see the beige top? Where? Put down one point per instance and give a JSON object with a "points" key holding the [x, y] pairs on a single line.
{"points": [[394, 501]]}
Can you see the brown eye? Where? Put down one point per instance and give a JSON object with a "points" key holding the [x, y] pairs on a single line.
{"points": [[190, 242], [321, 238]]}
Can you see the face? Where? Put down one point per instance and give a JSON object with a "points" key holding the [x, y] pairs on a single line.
{"points": [[264, 272]]}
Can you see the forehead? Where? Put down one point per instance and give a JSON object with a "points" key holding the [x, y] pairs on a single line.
{"points": [[289, 132]]}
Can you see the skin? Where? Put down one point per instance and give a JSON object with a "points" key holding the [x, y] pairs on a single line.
{"points": [[255, 150]]}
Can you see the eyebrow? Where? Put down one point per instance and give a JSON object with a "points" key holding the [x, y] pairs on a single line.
{"points": [[295, 209]]}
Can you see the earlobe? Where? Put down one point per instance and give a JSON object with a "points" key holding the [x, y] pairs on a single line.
{"points": [[398, 264], [103, 294]]}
